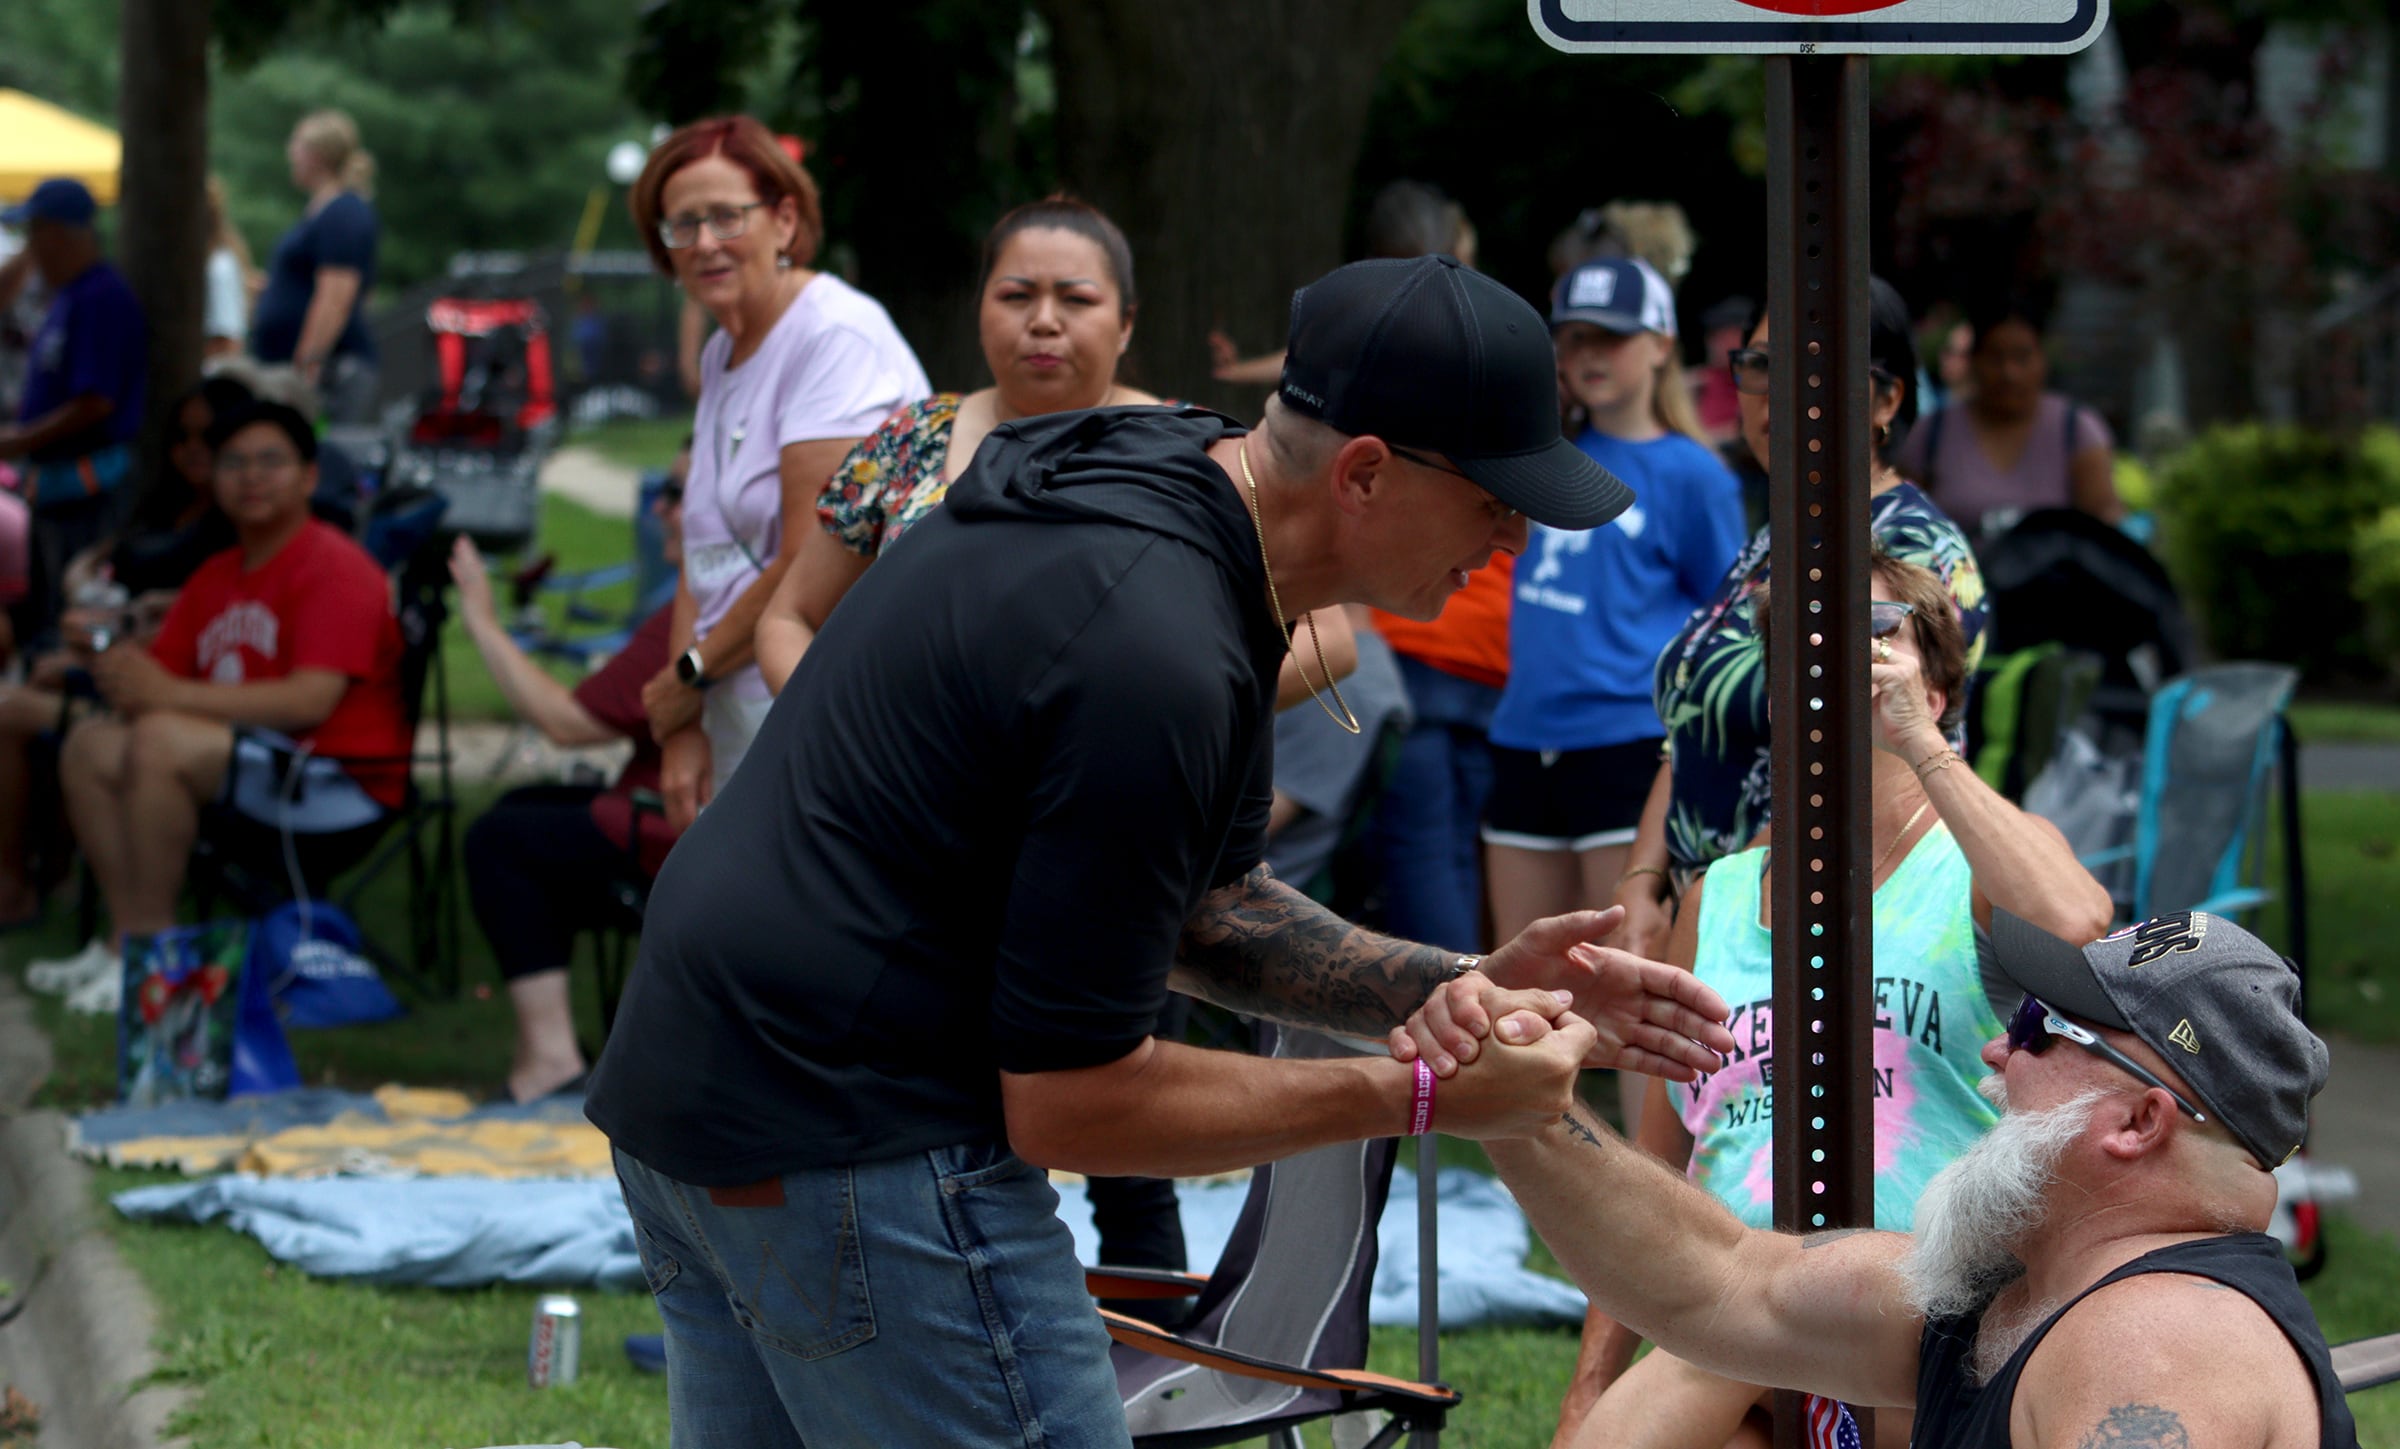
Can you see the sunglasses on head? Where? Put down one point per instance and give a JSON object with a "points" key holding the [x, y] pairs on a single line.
{"points": [[2036, 1025]]}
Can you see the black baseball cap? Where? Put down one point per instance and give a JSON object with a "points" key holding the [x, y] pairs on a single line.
{"points": [[2216, 1002], [1427, 353]]}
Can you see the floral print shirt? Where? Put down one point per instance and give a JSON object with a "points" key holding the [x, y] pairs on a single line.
{"points": [[1711, 682], [892, 478]]}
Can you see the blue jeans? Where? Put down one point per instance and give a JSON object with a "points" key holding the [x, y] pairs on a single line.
{"points": [[1426, 839], [931, 1299]]}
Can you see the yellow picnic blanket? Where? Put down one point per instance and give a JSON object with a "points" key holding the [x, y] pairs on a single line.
{"points": [[421, 1131]]}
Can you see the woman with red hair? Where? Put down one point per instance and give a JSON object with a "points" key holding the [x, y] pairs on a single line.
{"points": [[803, 366]]}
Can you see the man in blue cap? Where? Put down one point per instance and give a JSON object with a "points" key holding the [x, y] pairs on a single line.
{"points": [[83, 388]]}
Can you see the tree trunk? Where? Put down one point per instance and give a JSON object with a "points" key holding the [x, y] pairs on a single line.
{"points": [[162, 206], [1222, 138]]}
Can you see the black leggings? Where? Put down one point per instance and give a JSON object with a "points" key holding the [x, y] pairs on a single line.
{"points": [[539, 870]]}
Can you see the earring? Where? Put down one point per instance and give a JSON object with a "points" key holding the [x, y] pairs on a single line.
{"points": [[1883, 435], [783, 261]]}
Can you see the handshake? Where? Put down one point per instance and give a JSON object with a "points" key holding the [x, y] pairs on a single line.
{"points": [[1505, 1043]]}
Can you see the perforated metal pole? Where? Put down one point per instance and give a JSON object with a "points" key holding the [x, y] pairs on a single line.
{"points": [[1823, 819], [1429, 1285]]}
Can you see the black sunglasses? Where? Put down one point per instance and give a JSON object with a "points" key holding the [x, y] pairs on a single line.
{"points": [[2036, 1025]]}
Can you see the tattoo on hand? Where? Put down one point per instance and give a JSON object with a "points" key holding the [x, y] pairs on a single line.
{"points": [[1258, 946], [2139, 1426]]}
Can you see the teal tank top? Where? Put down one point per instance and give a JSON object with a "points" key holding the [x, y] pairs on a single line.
{"points": [[1932, 1018]]}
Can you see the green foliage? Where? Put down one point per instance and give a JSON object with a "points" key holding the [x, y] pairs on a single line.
{"points": [[486, 134], [64, 51], [2259, 522], [2376, 561]]}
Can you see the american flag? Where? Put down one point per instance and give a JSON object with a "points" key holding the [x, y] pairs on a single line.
{"points": [[1830, 1425]]}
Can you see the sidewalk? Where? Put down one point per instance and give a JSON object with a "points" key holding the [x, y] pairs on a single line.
{"points": [[2354, 1127], [607, 488]]}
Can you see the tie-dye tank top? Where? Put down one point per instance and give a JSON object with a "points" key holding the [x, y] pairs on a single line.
{"points": [[1932, 1018]]}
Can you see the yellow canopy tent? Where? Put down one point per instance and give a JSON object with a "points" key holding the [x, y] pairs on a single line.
{"points": [[39, 141]]}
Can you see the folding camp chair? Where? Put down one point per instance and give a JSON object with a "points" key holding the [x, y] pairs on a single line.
{"points": [[583, 626], [2021, 708], [1278, 1334], [2215, 743], [250, 865], [2367, 1363]]}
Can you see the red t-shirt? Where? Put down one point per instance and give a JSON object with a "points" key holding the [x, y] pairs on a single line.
{"points": [[320, 603], [612, 694]]}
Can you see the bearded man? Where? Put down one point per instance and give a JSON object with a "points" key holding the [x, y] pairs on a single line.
{"points": [[2094, 1272]]}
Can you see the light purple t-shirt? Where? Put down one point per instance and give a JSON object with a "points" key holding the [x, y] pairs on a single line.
{"points": [[833, 366], [1967, 484]]}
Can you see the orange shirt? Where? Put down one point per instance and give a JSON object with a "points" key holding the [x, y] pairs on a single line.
{"points": [[1470, 639]]}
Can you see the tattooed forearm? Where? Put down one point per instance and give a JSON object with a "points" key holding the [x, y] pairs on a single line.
{"points": [[2139, 1426], [1582, 1131], [1262, 948]]}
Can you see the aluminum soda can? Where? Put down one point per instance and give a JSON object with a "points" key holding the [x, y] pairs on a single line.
{"points": [[557, 1345]]}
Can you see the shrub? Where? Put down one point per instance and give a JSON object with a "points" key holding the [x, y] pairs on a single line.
{"points": [[2259, 524], [2376, 580]]}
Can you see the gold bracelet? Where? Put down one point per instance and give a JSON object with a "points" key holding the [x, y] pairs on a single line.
{"points": [[1647, 870], [1936, 763]]}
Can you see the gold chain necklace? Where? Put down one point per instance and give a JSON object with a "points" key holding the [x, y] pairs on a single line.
{"points": [[1906, 826], [1345, 719]]}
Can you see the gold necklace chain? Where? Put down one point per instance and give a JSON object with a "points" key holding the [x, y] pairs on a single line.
{"points": [[1345, 719], [1906, 826]]}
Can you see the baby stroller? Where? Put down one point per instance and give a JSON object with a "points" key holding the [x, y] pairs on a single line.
{"points": [[481, 433]]}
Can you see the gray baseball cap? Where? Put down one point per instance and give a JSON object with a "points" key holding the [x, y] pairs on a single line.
{"points": [[2220, 1006]]}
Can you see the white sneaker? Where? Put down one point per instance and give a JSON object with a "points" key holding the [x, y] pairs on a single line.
{"points": [[62, 974], [103, 991]]}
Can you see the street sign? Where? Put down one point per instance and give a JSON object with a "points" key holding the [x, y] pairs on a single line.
{"points": [[1820, 27]]}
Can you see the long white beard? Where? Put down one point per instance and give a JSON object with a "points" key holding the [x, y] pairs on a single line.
{"points": [[1974, 1213]]}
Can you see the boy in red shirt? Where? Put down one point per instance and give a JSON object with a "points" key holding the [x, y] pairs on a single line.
{"points": [[279, 651]]}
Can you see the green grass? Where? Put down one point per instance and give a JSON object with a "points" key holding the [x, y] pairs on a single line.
{"points": [[2353, 859], [635, 442], [580, 540], [2348, 721]]}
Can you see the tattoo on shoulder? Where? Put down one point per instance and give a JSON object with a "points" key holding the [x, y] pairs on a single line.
{"points": [[1260, 947], [2139, 1426]]}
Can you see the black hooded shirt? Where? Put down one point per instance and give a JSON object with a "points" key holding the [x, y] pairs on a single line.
{"points": [[968, 835]]}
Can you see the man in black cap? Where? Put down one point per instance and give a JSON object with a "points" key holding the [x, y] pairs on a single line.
{"points": [[917, 944], [2094, 1271]]}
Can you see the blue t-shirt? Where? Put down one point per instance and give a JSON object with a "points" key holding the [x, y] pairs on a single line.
{"points": [[341, 233], [93, 342], [1594, 606]]}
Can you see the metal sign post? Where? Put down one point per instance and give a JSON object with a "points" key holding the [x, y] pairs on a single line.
{"points": [[1818, 400], [1824, 821]]}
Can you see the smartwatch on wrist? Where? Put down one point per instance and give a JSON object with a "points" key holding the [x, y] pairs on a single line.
{"points": [[687, 669]]}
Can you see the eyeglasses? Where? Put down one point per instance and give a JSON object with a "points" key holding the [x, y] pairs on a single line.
{"points": [[1423, 461], [2035, 1026], [1885, 616], [1751, 367], [236, 464], [724, 222]]}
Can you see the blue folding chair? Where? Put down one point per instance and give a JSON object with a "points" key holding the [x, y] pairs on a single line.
{"points": [[2216, 743]]}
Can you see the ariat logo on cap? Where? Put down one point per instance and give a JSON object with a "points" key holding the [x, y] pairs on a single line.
{"points": [[1297, 393], [2183, 1036], [2166, 935]]}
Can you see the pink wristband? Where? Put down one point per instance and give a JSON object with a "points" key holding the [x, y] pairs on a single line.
{"points": [[1420, 1119]]}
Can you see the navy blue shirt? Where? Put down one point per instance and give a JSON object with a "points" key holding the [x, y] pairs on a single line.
{"points": [[341, 233], [93, 342], [1594, 606]]}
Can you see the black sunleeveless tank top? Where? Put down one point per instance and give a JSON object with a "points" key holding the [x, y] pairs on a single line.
{"points": [[1953, 1413]]}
